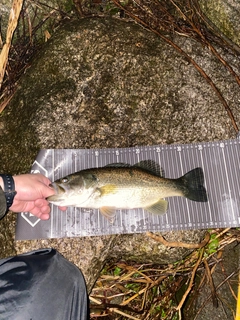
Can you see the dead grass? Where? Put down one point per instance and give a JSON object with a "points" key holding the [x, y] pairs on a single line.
{"points": [[35, 23], [132, 291]]}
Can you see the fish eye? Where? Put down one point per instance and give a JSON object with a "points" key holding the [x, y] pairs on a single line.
{"points": [[64, 180]]}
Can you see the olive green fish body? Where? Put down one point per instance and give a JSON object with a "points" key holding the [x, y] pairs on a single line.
{"points": [[126, 187]]}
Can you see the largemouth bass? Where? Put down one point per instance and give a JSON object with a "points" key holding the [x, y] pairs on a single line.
{"points": [[122, 186]]}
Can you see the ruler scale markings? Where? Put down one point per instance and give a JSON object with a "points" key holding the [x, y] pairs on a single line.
{"points": [[196, 153], [186, 157], [226, 203], [178, 215], [152, 219], [125, 156], [213, 187], [219, 160], [213, 177], [183, 203], [220, 186], [237, 166], [61, 172], [184, 213], [200, 151], [191, 204], [196, 219], [77, 222], [165, 158], [177, 172], [180, 210], [216, 183], [224, 194], [170, 216], [52, 178], [65, 218], [158, 152], [231, 215], [234, 180], [235, 172], [96, 158]]}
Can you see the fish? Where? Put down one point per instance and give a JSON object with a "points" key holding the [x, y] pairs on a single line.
{"points": [[124, 186]]}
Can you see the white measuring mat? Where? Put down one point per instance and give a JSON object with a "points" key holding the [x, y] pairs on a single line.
{"points": [[219, 161]]}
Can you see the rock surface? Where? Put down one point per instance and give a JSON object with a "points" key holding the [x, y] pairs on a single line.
{"points": [[224, 15], [110, 83]]}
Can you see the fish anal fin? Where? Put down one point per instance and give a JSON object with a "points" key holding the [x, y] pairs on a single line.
{"points": [[159, 207], [109, 213]]}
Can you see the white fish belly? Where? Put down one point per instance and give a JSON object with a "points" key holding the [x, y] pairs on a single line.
{"points": [[128, 198]]}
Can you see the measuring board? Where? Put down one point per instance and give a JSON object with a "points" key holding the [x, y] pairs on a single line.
{"points": [[219, 161]]}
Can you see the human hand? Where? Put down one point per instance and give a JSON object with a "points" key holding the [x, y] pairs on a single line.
{"points": [[32, 189]]}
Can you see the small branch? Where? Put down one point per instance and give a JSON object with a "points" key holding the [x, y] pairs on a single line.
{"points": [[190, 283], [213, 289], [160, 238]]}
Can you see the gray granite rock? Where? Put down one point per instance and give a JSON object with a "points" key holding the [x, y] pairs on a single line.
{"points": [[224, 15], [110, 83]]}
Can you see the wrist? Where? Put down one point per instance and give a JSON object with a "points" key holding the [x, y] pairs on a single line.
{"points": [[8, 186]]}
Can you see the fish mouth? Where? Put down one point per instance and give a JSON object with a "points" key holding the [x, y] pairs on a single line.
{"points": [[59, 193], [57, 188]]}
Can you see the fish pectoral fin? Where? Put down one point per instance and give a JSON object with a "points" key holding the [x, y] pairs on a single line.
{"points": [[109, 213], [159, 207], [107, 189]]}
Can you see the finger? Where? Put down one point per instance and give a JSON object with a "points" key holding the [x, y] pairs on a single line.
{"points": [[63, 208], [42, 213], [41, 203], [44, 216]]}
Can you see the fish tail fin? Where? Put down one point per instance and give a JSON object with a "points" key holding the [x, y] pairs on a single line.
{"points": [[193, 185]]}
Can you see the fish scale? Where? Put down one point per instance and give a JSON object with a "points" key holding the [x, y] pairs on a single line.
{"points": [[219, 161]]}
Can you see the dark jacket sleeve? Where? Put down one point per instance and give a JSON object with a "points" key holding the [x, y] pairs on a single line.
{"points": [[3, 204]]}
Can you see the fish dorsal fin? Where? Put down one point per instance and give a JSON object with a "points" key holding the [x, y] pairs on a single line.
{"points": [[109, 213], [159, 207], [118, 165], [150, 166]]}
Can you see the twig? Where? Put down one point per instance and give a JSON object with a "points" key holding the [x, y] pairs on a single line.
{"points": [[123, 314], [160, 238], [211, 283], [190, 283]]}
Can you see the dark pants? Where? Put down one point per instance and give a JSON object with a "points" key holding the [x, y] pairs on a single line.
{"points": [[41, 285]]}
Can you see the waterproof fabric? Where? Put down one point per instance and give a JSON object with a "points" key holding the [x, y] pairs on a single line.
{"points": [[41, 285], [3, 204]]}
